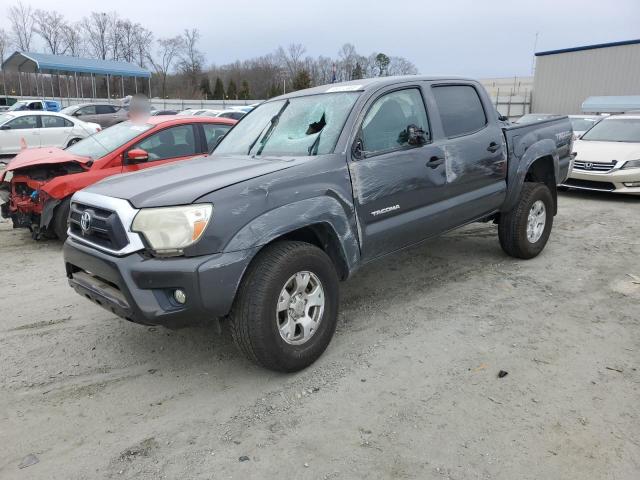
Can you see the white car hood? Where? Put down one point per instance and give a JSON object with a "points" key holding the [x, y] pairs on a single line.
{"points": [[592, 151]]}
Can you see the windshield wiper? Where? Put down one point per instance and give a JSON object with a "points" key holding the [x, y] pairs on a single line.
{"points": [[272, 126], [316, 127]]}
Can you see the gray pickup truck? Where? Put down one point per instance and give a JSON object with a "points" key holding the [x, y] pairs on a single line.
{"points": [[303, 191]]}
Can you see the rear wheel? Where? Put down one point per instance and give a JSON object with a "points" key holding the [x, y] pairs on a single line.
{"points": [[524, 231], [286, 309], [72, 141], [60, 220]]}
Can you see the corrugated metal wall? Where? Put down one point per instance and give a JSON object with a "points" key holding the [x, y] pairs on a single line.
{"points": [[563, 81]]}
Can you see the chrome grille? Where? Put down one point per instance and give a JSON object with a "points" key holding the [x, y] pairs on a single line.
{"points": [[105, 230], [596, 167]]}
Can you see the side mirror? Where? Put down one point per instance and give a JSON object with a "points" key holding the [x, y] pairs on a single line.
{"points": [[357, 150], [415, 135], [137, 155], [502, 118], [77, 113]]}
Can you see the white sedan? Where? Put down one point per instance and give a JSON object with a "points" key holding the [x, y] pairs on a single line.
{"points": [[30, 129], [608, 157]]}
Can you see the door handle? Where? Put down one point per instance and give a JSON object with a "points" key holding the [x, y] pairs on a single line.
{"points": [[435, 162], [493, 147]]}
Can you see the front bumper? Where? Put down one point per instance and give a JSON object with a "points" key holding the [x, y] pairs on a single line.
{"points": [[612, 181], [140, 288]]}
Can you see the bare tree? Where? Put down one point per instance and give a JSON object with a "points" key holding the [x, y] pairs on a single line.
{"points": [[96, 29], [401, 66], [51, 26], [144, 39], [73, 40], [348, 59], [291, 58], [22, 25], [169, 50], [5, 43], [192, 59]]}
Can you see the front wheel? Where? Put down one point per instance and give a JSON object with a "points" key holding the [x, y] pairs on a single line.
{"points": [[60, 220], [524, 231], [286, 309], [73, 141]]}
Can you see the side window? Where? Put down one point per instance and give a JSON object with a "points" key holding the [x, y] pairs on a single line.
{"points": [[35, 106], [213, 132], [384, 128], [88, 110], [24, 122], [170, 143], [104, 109], [461, 109], [50, 121]]}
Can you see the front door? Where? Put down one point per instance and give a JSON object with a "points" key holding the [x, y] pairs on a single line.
{"points": [[22, 132], [170, 144], [396, 179]]}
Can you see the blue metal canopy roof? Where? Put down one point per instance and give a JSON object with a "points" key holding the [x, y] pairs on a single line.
{"points": [[611, 104], [47, 63]]}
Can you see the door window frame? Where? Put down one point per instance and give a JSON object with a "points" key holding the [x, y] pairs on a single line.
{"points": [[369, 105], [38, 122]]}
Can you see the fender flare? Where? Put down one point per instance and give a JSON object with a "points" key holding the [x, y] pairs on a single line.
{"points": [[285, 219], [517, 174]]}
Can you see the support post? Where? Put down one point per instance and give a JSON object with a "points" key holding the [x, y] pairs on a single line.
{"points": [[53, 94], [20, 81], [81, 87], [75, 76], [149, 87], [108, 93], [122, 77], [135, 81]]}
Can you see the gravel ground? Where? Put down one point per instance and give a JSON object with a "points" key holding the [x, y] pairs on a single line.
{"points": [[408, 388]]}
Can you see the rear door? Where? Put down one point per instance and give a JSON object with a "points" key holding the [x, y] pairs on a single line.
{"points": [[475, 151], [168, 145], [106, 115], [396, 183], [55, 132], [23, 131]]}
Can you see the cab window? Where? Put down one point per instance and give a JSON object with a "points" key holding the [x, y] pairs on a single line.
{"points": [[461, 109], [170, 143], [88, 110], [105, 109], [385, 127]]}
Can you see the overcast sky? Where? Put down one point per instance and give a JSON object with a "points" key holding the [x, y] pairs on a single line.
{"points": [[480, 38]]}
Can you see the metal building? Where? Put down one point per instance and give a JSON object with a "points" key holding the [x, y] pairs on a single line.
{"points": [[565, 78]]}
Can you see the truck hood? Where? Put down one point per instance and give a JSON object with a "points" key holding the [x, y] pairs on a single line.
{"points": [[594, 151], [43, 156], [184, 182]]}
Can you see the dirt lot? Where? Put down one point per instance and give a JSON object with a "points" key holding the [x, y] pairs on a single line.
{"points": [[407, 389]]}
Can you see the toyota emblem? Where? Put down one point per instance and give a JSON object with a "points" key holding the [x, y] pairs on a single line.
{"points": [[85, 222]]}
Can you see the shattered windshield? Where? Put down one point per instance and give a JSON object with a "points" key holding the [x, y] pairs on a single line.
{"points": [[297, 126], [100, 144]]}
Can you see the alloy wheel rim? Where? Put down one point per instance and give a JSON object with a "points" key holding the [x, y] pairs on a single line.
{"points": [[536, 221], [300, 308]]}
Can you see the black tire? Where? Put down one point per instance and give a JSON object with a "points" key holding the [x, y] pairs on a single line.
{"points": [[254, 324], [60, 220], [72, 141], [512, 229]]}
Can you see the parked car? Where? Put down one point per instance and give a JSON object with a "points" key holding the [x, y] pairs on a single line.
{"points": [[164, 112], [207, 112], [37, 195], [43, 105], [582, 123], [234, 114], [608, 157], [103, 114], [20, 130], [535, 117], [301, 193]]}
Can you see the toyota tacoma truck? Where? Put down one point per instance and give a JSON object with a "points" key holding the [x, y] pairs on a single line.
{"points": [[306, 189]]}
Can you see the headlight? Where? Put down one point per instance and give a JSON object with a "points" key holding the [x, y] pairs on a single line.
{"points": [[631, 164], [168, 230]]}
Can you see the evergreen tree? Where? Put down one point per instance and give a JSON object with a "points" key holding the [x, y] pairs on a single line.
{"points": [[218, 90], [302, 80], [382, 62], [274, 90], [232, 90], [357, 73], [205, 88], [244, 91]]}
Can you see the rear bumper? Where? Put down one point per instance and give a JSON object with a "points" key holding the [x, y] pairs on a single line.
{"points": [[615, 181], [140, 289]]}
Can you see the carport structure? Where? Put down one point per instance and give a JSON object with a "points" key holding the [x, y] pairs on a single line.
{"points": [[43, 64]]}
